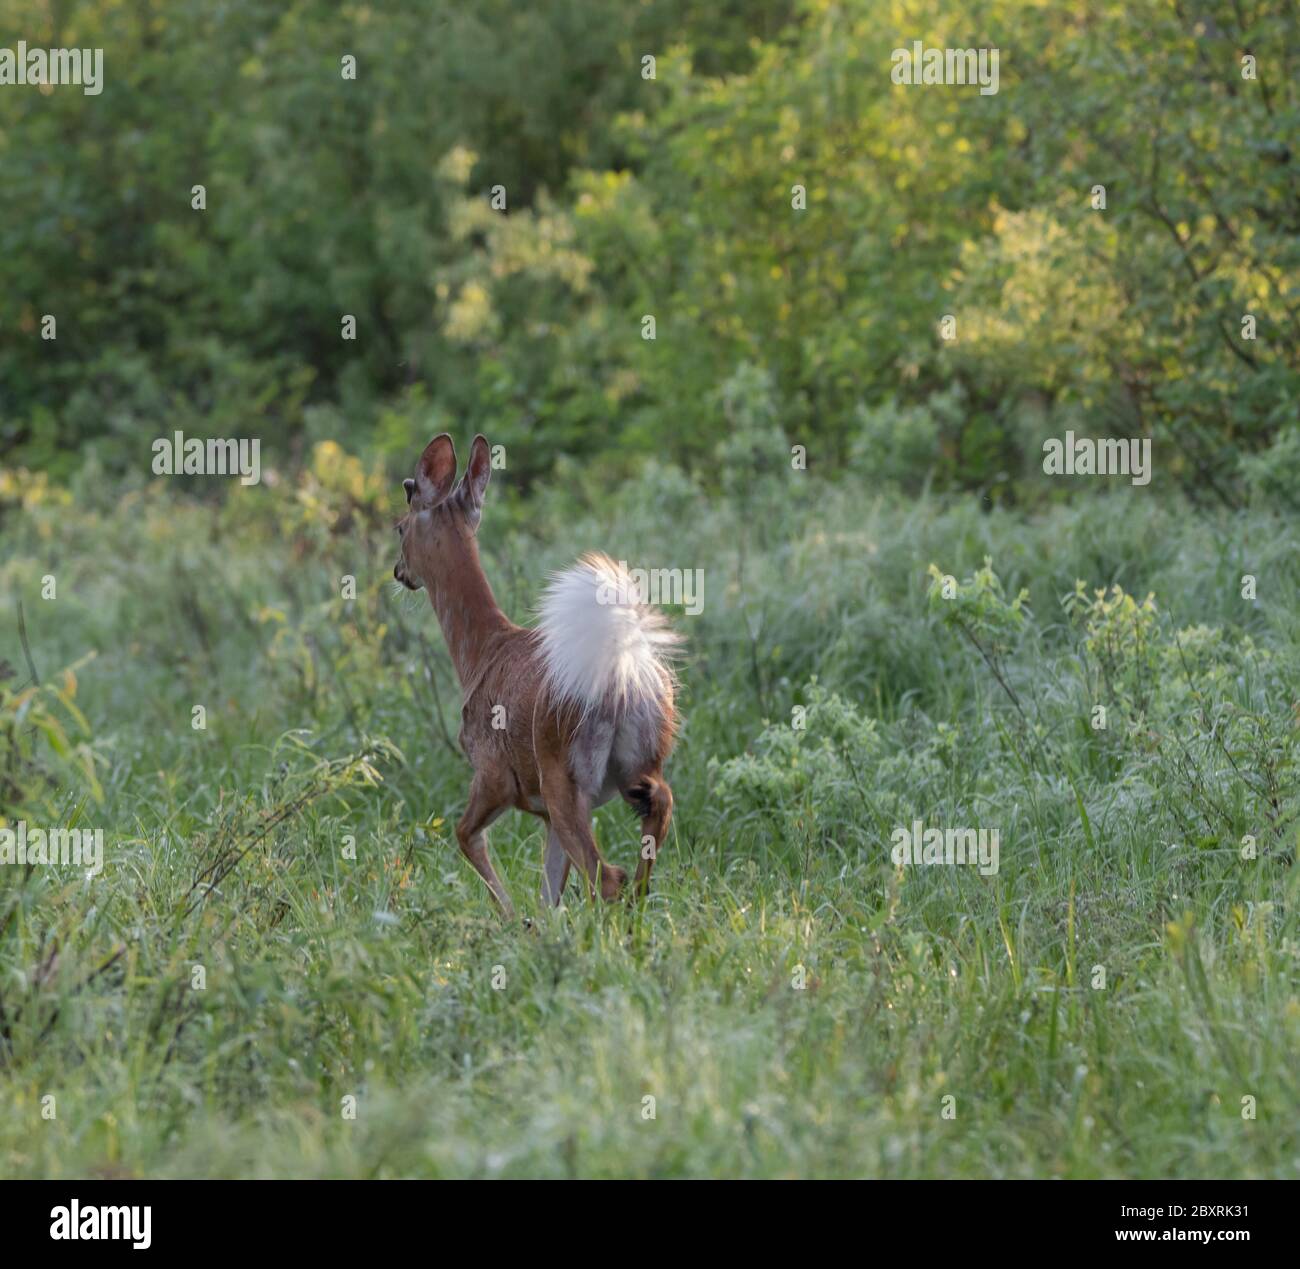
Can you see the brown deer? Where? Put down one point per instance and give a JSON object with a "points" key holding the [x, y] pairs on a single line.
{"points": [[556, 719]]}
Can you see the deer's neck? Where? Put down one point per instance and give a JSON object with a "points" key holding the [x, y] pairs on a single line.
{"points": [[467, 611]]}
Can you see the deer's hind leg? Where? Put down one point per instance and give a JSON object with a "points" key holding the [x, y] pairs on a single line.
{"points": [[652, 799], [569, 809], [555, 868]]}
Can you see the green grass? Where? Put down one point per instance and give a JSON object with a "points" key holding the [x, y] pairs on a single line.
{"points": [[329, 978]]}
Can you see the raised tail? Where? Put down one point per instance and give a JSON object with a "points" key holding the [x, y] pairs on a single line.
{"points": [[601, 643]]}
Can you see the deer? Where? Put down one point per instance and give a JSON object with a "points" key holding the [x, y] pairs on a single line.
{"points": [[556, 718]]}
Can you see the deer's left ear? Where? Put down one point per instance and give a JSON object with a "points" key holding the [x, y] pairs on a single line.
{"points": [[435, 473], [475, 481]]}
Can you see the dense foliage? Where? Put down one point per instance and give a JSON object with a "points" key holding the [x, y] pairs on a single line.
{"points": [[671, 197]]}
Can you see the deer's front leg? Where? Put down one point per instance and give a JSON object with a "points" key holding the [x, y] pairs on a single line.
{"points": [[487, 799]]}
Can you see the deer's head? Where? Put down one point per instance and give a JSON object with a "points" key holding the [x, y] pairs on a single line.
{"points": [[437, 533]]}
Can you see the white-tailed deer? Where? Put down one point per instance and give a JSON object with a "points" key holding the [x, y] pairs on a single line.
{"points": [[556, 719]]}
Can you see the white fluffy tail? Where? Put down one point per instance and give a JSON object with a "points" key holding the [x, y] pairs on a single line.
{"points": [[600, 641]]}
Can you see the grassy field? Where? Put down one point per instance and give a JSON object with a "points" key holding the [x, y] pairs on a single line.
{"points": [[794, 1003]]}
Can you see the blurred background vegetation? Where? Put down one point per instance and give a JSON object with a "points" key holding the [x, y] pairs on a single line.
{"points": [[671, 196]]}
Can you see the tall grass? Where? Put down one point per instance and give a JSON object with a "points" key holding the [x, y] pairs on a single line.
{"points": [[793, 1003]]}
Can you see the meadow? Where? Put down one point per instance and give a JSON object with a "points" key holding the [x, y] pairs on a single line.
{"points": [[730, 296], [284, 921]]}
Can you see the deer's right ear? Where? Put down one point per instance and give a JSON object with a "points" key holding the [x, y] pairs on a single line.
{"points": [[435, 473]]}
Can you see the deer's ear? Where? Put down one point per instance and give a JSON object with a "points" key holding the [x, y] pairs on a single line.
{"points": [[435, 473], [477, 474]]}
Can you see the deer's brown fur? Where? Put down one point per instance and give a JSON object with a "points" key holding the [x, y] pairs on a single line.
{"points": [[529, 751]]}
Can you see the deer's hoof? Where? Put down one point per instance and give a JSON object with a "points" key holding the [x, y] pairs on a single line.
{"points": [[612, 883]]}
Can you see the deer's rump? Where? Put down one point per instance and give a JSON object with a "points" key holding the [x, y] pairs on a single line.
{"points": [[606, 675], [591, 683]]}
